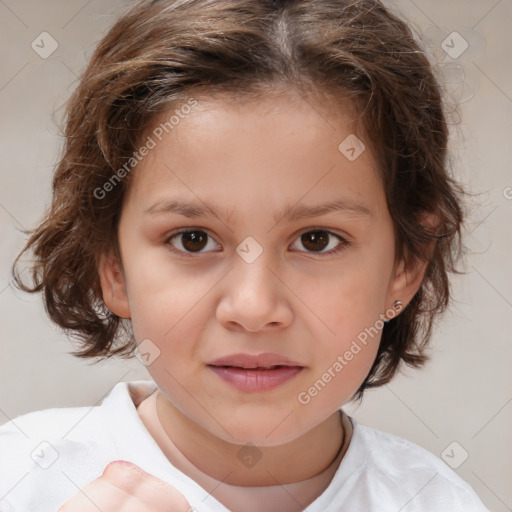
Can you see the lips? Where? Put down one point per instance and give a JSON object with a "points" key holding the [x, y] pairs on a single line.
{"points": [[255, 373], [252, 362]]}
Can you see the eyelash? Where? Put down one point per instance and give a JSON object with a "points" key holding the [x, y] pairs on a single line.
{"points": [[340, 247]]}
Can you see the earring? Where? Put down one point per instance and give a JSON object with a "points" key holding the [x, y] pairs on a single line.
{"points": [[397, 305]]}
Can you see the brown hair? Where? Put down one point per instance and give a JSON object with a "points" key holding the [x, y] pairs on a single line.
{"points": [[162, 52]]}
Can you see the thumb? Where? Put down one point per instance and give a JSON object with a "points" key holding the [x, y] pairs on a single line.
{"points": [[122, 464], [149, 489]]}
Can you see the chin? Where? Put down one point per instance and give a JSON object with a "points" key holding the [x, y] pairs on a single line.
{"points": [[272, 430]]}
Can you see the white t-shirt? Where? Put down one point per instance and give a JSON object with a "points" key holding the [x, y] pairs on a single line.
{"points": [[46, 456]]}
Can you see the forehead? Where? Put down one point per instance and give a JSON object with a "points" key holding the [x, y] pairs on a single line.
{"points": [[276, 149]]}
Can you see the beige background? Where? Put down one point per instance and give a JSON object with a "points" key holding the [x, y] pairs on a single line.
{"points": [[463, 395]]}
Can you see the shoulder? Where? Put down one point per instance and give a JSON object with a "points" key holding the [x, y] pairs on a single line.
{"points": [[72, 424], [48, 454], [398, 454], [30, 448], [404, 470], [41, 423], [25, 433]]}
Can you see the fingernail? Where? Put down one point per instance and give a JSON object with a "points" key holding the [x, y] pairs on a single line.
{"points": [[123, 462]]}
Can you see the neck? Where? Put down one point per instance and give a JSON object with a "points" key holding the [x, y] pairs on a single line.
{"points": [[280, 464]]}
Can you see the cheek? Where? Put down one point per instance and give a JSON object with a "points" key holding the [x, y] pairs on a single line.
{"points": [[159, 294], [155, 316], [168, 318], [348, 304], [347, 298]]}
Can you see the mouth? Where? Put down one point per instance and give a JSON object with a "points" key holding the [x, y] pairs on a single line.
{"points": [[254, 368], [265, 361], [255, 373]]}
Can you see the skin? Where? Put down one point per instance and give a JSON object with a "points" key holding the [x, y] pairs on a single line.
{"points": [[250, 160], [124, 487]]}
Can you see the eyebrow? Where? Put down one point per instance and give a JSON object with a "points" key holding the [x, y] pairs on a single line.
{"points": [[289, 213]]}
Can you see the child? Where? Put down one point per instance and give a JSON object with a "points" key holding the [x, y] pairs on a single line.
{"points": [[254, 199]]}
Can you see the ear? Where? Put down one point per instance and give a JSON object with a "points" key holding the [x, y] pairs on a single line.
{"points": [[113, 285], [406, 282], [408, 277]]}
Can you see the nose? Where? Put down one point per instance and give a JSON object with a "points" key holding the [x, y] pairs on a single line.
{"points": [[254, 298]]}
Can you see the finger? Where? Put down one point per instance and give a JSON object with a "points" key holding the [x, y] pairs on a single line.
{"points": [[147, 488], [125, 487], [98, 495]]}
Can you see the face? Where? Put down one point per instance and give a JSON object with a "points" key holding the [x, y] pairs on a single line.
{"points": [[257, 284]]}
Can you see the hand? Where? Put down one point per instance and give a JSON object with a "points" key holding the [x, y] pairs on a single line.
{"points": [[127, 488]]}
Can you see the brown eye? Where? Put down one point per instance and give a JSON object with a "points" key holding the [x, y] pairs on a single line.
{"points": [[191, 241], [194, 240], [315, 241]]}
